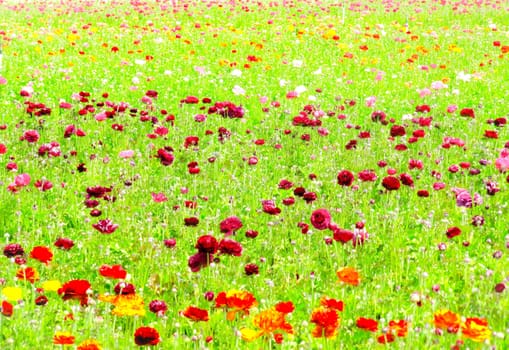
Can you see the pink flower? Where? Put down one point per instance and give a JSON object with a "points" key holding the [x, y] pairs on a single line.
{"points": [[30, 136], [3, 81], [22, 180], [321, 219], [159, 197], [126, 154], [370, 101], [502, 163], [452, 108], [424, 92], [292, 94]]}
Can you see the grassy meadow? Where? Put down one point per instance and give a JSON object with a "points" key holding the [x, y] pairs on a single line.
{"points": [[254, 174]]}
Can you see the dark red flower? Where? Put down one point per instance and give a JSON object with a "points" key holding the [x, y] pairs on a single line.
{"points": [[467, 112], [192, 221], [285, 184], [453, 232], [269, 207], [199, 260], [309, 197], [30, 136], [105, 226], [385, 338], [423, 193], [367, 175], [422, 109], [64, 243], [251, 269], [97, 191], [165, 157], [230, 247], [251, 233], [345, 178], [146, 336], [230, 225], [391, 183], [406, 179], [158, 307], [320, 219], [13, 249], [207, 244], [122, 288], [41, 300], [398, 130]]}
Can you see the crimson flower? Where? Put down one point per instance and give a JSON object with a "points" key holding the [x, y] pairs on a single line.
{"points": [[391, 183], [230, 247], [230, 225], [320, 219], [13, 249], [64, 243], [199, 260], [345, 178], [453, 232], [105, 226], [146, 336], [207, 244]]}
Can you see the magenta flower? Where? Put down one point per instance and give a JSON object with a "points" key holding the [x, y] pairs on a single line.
{"points": [[30, 136], [321, 219], [105, 226], [159, 197]]}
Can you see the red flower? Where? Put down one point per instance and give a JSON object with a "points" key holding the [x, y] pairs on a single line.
{"points": [[230, 247], [196, 314], [146, 336], [192, 221], [114, 271], [332, 303], [28, 274], [7, 308], [491, 134], [345, 178], [367, 324], [320, 219], [230, 225], [467, 112], [343, 236], [30, 136], [453, 232], [43, 254], [397, 130], [207, 244], [285, 307], [75, 289], [326, 322], [391, 183], [386, 338], [64, 243], [165, 157], [406, 179], [199, 260]]}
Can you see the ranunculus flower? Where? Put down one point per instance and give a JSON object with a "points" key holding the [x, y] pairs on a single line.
{"points": [[230, 247], [41, 253], [207, 244], [196, 314], [367, 324], [146, 336], [391, 183], [230, 225], [320, 219], [75, 289], [113, 271], [345, 178]]}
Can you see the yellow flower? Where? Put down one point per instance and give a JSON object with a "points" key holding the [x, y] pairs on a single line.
{"points": [[250, 334], [51, 286], [476, 329], [12, 293], [125, 305]]}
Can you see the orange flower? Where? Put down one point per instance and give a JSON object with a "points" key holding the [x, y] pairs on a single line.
{"points": [[476, 329], [125, 305], [28, 274], [268, 321], [446, 319], [237, 301], [89, 344], [196, 314], [348, 275], [326, 321], [400, 327], [63, 338]]}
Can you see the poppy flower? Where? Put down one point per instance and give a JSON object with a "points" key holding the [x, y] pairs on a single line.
{"points": [[63, 338], [269, 207], [343, 236], [348, 275], [367, 175], [114, 271], [196, 314], [367, 324], [75, 289], [41, 253], [345, 178], [235, 301], [448, 320], [146, 336], [320, 219], [326, 322], [476, 329], [391, 183]]}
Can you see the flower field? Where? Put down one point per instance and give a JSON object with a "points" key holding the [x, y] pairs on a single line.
{"points": [[291, 174]]}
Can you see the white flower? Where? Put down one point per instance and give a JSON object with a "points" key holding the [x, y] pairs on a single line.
{"points": [[236, 73], [463, 76], [297, 63], [237, 90], [140, 62], [300, 89]]}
